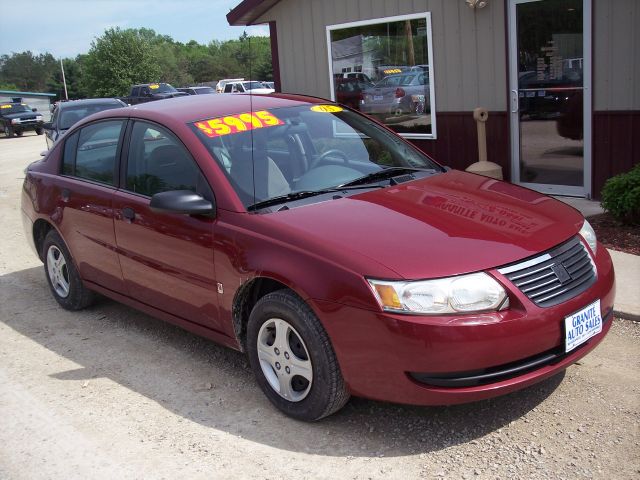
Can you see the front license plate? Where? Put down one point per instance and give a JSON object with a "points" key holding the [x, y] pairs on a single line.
{"points": [[582, 325], [377, 97]]}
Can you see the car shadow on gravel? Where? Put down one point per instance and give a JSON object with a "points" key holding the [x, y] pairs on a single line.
{"points": [[213, 386]]}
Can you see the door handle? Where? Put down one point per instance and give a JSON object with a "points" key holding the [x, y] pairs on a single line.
{"points": [[514, 101], [128, 213]]}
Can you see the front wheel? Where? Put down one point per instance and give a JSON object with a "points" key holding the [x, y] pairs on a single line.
{"points": [[19, 133], [39, 131], [292, 358], [63, 278]]}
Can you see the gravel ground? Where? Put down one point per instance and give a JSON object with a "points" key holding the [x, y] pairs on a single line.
{"points": [[112, 393]]}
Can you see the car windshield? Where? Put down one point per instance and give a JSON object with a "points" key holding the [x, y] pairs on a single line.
{"points": [[161, 88], [72, 114], [252, 85], [14, 108], [307, 148]]}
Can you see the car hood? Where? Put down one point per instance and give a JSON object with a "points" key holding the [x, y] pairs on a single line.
{"points": [[28, 115], [443, 225]]}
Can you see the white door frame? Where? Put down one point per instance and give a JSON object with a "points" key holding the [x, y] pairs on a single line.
{"points": [[585, 190]]}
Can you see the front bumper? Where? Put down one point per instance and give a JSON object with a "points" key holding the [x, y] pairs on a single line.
{"points": [[396, 357]]}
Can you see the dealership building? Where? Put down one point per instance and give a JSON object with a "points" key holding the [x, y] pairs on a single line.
{"points": [[559, 78]]}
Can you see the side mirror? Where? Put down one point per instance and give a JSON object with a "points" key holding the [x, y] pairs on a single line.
{"points": [[34, 109], [183, 202], [47, 126]]}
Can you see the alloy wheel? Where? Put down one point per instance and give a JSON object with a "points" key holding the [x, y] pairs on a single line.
{"points": [[58, 271]]}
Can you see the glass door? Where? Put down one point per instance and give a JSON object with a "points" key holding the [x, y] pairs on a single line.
{"points": [[550, 101]]}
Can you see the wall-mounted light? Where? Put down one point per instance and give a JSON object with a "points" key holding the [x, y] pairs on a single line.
{"points": [[477, 3]]}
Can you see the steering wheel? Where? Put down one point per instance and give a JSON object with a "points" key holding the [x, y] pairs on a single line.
{"points": [[332, 152]]}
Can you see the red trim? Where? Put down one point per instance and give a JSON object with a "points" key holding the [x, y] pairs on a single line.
{"points": [[248, 10], [275, 57]]}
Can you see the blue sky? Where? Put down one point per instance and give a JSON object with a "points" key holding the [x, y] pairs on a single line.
{"points": [[66, 28]]}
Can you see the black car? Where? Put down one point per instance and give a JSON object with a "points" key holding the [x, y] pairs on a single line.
{"points": [[148, 92], [66, 114], [15, 118]]}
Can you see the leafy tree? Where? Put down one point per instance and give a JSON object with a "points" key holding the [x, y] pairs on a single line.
{"points": [[119, 59], [28, 72]]}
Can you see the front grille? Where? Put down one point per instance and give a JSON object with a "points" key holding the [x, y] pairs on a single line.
{"points": [[556, 276]]}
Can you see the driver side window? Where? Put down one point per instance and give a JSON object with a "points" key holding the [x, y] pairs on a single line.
{"points": [[158, 162]]}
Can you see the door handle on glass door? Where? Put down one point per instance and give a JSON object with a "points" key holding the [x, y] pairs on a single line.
{"points": [[514, 101]]}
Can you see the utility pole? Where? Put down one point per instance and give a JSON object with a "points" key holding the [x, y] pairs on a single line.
{"points": [[64, 81]]}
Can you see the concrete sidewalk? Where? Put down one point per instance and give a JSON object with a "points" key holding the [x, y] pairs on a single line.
{"points": [[626, 266]]}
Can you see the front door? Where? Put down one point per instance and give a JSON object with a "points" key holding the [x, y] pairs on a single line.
{"points": [[550, 98], [166, 259]]}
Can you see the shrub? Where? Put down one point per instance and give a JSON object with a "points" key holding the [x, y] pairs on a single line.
{"points": [[621, 196]]}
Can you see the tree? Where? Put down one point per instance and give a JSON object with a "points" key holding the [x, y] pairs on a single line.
{"points": [[27, 71], [119, 59]]}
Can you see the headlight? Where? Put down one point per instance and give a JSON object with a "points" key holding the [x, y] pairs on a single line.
{"points": [[476, 292], [15, 120], [589, 236], [38, 117]]}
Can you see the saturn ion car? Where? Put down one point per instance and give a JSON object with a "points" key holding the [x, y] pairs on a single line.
{"points": [[339, 257]]}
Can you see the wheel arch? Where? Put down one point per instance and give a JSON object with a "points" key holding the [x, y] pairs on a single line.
{"points": [[40, 230], [245, 299]]}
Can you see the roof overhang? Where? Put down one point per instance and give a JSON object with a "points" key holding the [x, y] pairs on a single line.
{"points": [[248, 11]]}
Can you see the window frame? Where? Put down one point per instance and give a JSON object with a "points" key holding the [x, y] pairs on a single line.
{"points": [[117, 160], [124, 158], [381, 20]]}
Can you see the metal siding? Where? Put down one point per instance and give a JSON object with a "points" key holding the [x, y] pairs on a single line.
{"points": [[468, 46], [616, 55]]}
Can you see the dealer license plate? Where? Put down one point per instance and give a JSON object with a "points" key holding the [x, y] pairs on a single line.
{"points": [[582, 325]]}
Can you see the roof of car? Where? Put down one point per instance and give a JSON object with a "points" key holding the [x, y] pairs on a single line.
{"points": [[92, 101], [191, 108]]}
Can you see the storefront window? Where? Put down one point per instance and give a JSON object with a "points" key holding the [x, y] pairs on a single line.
{"points": [[384, 68]]}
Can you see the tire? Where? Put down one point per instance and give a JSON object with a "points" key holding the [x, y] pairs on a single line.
{"points": [[62, 276], [281, 332], [19, 133], [8, 131], [39, 131]]}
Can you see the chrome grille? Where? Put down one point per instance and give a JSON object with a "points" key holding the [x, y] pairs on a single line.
{"points": [[555, 276]]}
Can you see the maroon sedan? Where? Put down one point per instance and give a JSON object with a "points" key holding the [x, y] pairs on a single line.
{"points": [[338, 256]]}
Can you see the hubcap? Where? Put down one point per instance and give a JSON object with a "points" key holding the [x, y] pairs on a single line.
{"points": [[284, 360], [58, 272]]}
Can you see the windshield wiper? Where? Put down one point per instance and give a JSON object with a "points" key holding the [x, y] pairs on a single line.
{"points": [[384, 174], [304, 194]]}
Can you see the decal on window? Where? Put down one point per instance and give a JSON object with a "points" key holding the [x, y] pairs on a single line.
{"points": [[326, 108], [217, 127]]}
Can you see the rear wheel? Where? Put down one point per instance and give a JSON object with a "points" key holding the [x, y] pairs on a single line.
{"points": [[40, 131], [292, 358], [63, 278]]}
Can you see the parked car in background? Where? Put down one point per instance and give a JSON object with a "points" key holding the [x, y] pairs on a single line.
{"points": [[247, 86], [398, 94], [149, 92], [350, 91], [197, 90], [66, 114], [271, 85], [341, 258], [220, 85], [16, 118]]}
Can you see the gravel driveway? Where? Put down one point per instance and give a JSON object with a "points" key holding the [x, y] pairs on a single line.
{"points": [[112, 393]]}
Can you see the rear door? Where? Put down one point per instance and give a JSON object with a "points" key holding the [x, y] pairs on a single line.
{"points": [[85, 193], [166, 259]]}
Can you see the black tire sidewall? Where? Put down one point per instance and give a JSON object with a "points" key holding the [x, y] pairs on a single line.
{"points": [[292, 309], [79, 297]]}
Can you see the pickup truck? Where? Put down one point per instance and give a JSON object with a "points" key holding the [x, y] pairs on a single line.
{"points": [[15, 118], [148, 92]]}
